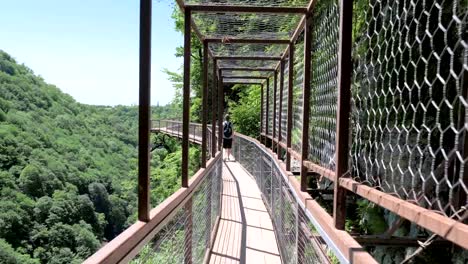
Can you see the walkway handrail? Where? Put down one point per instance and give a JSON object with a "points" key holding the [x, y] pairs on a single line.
{"points": [[128, 244], [341, 243]]}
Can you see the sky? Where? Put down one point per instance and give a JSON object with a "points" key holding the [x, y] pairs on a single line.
{"points": [[89, 48]]}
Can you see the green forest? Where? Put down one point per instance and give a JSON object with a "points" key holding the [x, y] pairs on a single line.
{"points": [[68, 171]]}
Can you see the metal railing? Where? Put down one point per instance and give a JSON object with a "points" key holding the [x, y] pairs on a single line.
{"points": [[174, 128], [304, 234], [181, 229], [387, 118]]}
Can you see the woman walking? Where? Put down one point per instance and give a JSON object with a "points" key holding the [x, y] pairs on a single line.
{"points": [[227, 137]]}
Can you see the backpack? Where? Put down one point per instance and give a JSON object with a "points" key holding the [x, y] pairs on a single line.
{"points": [[227, 127]]}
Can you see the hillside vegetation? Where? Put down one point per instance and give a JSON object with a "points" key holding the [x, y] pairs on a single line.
{"points": [[68, 171]]}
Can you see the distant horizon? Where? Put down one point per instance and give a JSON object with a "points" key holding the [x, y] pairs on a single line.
{"points": [[89, 50]]}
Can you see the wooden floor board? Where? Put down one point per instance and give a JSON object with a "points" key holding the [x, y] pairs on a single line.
{"points": [[245, 233]]}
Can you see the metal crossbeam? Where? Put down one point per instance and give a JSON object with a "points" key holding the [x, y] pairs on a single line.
{"points": [[246, 69], [247, 9], [246, 77], [247, 40], [273, 58]]}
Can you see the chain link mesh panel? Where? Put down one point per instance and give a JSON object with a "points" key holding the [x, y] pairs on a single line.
{"points": [[246, 25], [296, 133], [409, 100], [284, 109], [270, 107], [222, 63], [322, 126], [294, 229], [280, 3], [264, 113], [234, 73], [170, 244], [238, 49]]}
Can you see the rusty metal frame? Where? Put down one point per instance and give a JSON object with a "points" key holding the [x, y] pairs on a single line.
{"points": [[290, 108], [449, 229], [306, 101], [261, 109], [275, 80], [204, 105], [343, 111], [245, 77], [280, 116], [247, 40], [246, 9], [267, 104], [246, 69], [244, 83], [262, 58], [220, 109], [144, 109], [186, 96], [214, 92]]}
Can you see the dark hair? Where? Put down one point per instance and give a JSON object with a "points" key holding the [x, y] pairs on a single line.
{"points": [[227, 118]]}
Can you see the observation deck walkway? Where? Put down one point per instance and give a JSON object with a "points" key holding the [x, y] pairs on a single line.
{"points": [[245, 233]]}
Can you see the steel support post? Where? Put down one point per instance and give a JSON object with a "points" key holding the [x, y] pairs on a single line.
{"points": [[306, 101], [186, 98], [343, 111], [290, 107], [220, 110], [275, 79], [208, 209], [267, 107], [144, 109], [213, 111], [185, 133], [280, 119], [188, 232], [261, 112], [205, 104]]}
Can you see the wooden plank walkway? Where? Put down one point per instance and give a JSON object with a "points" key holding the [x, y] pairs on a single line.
{"points": [[245, 233]]}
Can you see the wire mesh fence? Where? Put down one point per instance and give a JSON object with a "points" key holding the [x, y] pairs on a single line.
{"points": [[187, 235], [324, 70], [294, 230], [246, 25], [284, 108], [298, 83], [270, 106], [409, 101]]}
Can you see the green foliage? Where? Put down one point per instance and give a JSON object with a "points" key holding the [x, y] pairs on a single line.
{"points": [[245, 112], [9, 255], [68, 171], [371, 217]]}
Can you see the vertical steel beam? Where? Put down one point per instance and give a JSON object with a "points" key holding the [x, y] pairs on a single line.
{"points": [[280, 111], [275, 79], [290, 108], [343, 111], [267, 106], [306, 100], [144, 109], [261, 112], [213, 111], [185, 132], [205, 104], [186, 98], [188, 231], [220, 109]]}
